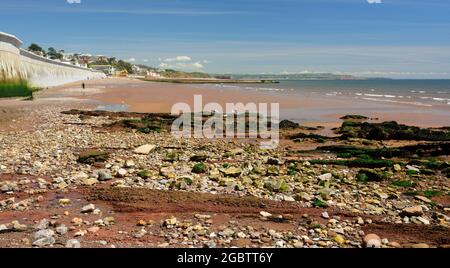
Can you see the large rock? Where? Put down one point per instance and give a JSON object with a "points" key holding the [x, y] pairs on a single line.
{"points": [[372, 241], [145, 149], [231, 171], [412, 211]]}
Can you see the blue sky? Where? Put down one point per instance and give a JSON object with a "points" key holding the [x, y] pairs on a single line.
{"points": [[394, 38]]}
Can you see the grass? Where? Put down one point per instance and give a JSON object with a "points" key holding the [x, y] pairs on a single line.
{"points": [[15, 89], [319, 203], [427, 193], [199, 168], [403, 183]]}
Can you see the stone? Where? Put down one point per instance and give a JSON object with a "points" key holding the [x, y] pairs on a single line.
{"points": [[170, 222], [423, 199], [88, 208], [303, 196], [144, 149], [77, 221], [231, 171], [129, 163], [339, 239], [397, 167], [89, 181], [412, 211], [64, 202], [420, 245], [394, 244], [372, 241], [325, 215], [325, 177], [18, 227], [276, 185], [43, 224], [44, 233], [61, 230], [122, 172], [73, 243], [3, 228], [265, 214], [408, 167], [93, 229], [45, 241], [423, 220], [103, 175]]}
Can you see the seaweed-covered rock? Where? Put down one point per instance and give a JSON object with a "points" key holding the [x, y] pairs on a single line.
{"points": [[92, 156], [286, 124], [391, 131]]}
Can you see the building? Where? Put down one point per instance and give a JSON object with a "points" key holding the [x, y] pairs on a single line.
{"points": [[107, 69]]}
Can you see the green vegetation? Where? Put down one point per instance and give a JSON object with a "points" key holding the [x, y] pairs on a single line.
{"points": [[403, 183], [169, 73], [319, 203], [359, 162], [92, 156], [367, 175], [199, 168], [411, 172], [292, 170], [143, 125], [427, 193], [15, 89], [144, 174]]}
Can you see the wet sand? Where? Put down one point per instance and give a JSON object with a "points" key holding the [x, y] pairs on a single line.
{"points": [[143, 96]]}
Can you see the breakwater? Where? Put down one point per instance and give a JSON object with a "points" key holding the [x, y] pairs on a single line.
{"points": [[19, 64]]}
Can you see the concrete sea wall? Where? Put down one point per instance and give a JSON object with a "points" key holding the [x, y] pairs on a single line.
{"points": [[17, 63]]}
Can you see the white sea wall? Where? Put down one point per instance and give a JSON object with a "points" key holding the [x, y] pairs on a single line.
{"points": [[16, 63]]}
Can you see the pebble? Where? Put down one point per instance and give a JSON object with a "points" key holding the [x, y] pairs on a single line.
{"points": [[73, 243], [88, 208], [144, 149], [45, 241], [372, 241], [412, 211]]}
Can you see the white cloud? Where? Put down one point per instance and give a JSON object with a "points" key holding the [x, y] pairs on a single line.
{"points": [[179, 59], [182, 65], [131, 60], [74, 1], [374, 1]]}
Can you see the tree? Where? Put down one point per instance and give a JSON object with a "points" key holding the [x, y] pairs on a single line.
{"points": [[36, 48], [53, 54]]}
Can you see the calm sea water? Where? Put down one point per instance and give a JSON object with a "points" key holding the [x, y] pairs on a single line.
{"points": [[413, 92]]}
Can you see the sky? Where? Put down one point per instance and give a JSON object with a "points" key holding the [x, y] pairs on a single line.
{"points": [[381, 38]]}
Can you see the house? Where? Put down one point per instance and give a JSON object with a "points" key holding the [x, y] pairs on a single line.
{"points": [[107, 69]]}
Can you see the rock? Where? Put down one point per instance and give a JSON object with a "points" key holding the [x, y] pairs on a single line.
{"points": [[88, 208], [18, 227], [122, 172], [170, 222], [3, 228], [286, 124], [303, 196], [92, 156], [397, 167], [93, 229], [44, 233], [89, 181], [339, 239], [198, 158], [77, 221], [144, 149], [103, 175], [129, 163], [412, 211], [420, 245], [325, 215], [45, 241], [298, 244], [73, 243], [423, 199], [372, 241], [43, 224], [64, 202], [276, 185], [61, 230], [325, 177], [408, 167], [141, 223], [231, 171], [265, 214], [394, 245], [423, 220]]}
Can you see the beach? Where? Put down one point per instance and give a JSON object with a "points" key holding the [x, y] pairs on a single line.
{"points": [[74, 176]]}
